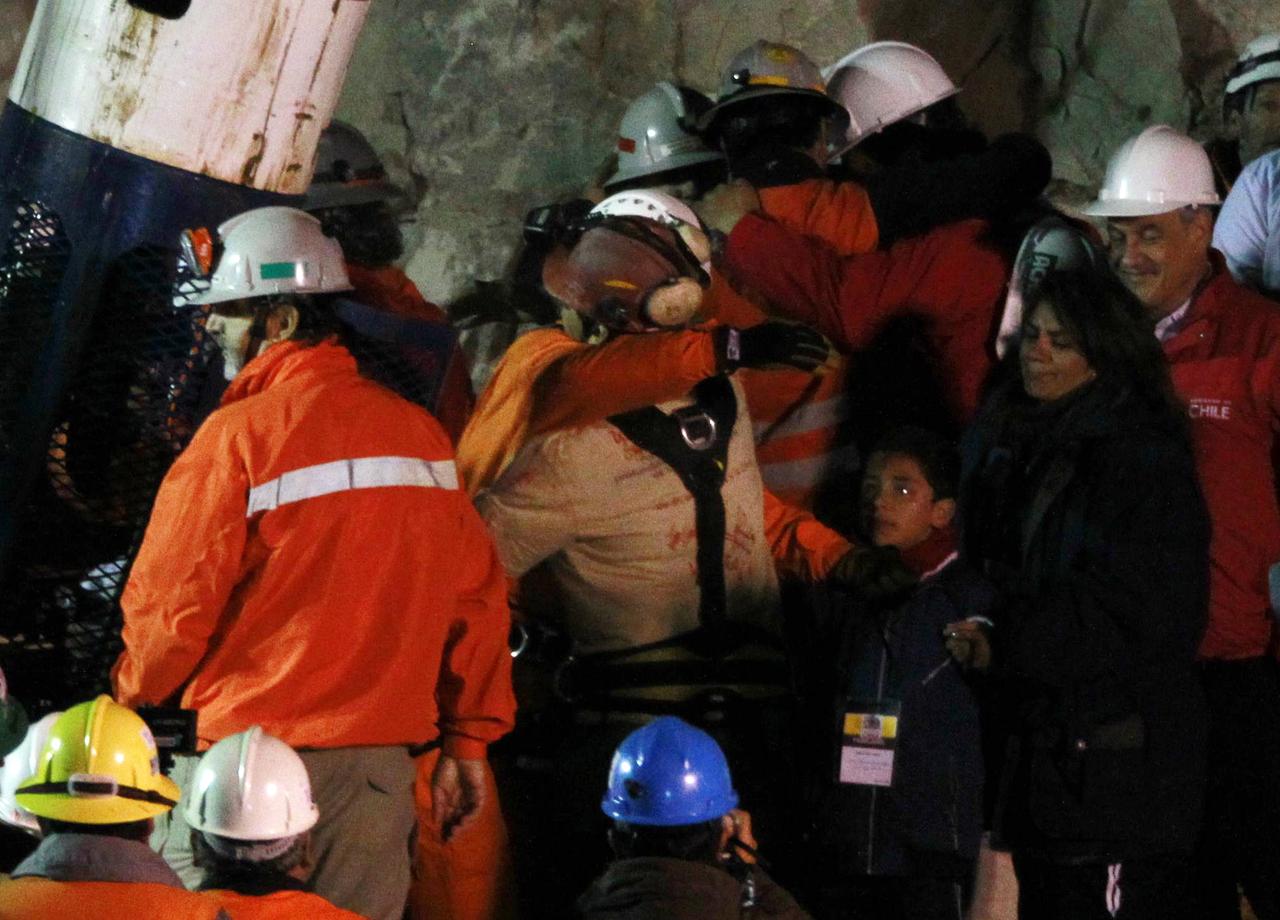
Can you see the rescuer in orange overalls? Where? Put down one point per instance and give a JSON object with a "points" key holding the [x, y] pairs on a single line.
{"points": [[313, 565], [466, 877]]}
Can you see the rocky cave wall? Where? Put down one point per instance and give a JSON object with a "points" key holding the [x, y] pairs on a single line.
{"points": [[485, 108]]}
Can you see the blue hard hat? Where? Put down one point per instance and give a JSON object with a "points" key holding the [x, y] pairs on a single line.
{"points": [[666, 774]]}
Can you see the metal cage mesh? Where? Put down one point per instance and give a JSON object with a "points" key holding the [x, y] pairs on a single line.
{"points": [[129, 408]]}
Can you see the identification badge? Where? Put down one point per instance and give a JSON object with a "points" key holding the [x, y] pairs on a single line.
{"points": [[868, 737]]}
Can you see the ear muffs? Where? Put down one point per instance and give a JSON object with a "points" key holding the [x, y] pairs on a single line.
{"points": [[675, 303]]}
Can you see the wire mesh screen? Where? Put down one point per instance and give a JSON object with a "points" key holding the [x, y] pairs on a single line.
{"points": [[32, 267], [130, 407]]}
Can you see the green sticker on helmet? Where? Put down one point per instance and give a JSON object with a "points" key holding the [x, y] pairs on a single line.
{"points": [[276, 271]]}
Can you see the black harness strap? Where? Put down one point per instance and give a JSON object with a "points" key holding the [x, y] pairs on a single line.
{"points": [[698, 453]]}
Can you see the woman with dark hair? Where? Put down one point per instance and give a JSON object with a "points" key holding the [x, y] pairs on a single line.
{"points": [[1080, 502]]}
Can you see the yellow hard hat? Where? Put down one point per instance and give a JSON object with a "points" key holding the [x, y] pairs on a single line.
{"points": [[99, 766]]}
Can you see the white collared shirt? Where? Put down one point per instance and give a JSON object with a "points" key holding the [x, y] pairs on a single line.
{"points": [[1169, 326]]}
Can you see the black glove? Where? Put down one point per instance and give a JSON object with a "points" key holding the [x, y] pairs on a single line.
{"points": [[875, 572], [771, 344]]}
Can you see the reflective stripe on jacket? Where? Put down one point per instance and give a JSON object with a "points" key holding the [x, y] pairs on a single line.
{"points": [[313, 566], [799, 418]]}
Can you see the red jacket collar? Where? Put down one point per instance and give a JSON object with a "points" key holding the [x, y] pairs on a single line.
{"points": [[287, 360], [930, 556], [1213, 294], [1207, 303]]}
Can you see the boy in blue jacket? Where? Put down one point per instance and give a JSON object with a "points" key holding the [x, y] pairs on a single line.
{"points": [[899, 796]]}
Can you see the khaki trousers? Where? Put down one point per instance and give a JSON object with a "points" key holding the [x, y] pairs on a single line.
{"points": [[363, 842]]}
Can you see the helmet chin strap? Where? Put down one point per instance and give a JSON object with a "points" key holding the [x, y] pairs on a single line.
{"points": [[258, 331]]}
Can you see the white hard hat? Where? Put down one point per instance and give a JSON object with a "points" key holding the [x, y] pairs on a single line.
{"points": [[251, 786], [1157, 171], [1260, 61], [19, 764], [273, 250], [883, 83], [658, 133], [650, 204]]}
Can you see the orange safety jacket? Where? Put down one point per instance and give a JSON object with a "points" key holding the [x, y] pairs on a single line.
{"points": [[839, 213], [278, 905], [390, 289], [801, 439], [313, 565], [36, 898], [548, 381]]}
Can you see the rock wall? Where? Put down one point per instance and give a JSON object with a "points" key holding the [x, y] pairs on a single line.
{"points": [[485, 108], [492, 106]]}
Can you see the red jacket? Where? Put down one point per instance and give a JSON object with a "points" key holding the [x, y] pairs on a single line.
{"points": [[390, 289], [948, 278], [313, 566], [1225, 361]]}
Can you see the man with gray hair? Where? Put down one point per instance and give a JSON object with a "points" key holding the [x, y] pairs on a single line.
{"points": [[1223, 346]]}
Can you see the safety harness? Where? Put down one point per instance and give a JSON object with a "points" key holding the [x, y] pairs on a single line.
{"points": [[694, 442], [719, 655]]}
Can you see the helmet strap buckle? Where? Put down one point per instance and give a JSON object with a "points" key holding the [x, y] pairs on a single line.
{"points": [[92, 786]]}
